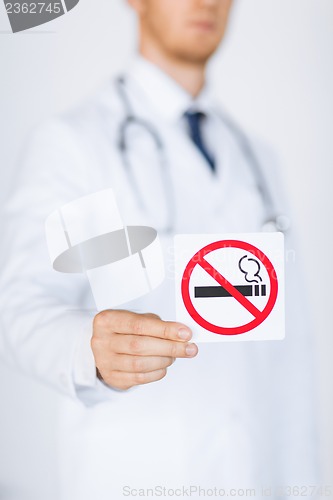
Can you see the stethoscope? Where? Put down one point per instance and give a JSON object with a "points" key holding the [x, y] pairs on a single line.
{"points": [[274, 221]]}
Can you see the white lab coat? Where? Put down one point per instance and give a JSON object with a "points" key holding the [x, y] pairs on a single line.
{"points": [[239, 415]]}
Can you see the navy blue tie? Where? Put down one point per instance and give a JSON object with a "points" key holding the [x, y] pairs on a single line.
{"points": [[194, 119]]}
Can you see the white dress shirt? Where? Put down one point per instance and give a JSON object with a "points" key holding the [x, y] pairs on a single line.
{"points": [[238, 415]]}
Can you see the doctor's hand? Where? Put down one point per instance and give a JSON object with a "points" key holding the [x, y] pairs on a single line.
{"points": [[133, 349]]}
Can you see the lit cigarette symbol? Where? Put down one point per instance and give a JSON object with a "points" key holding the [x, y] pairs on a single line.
{"points": [[219, 291], [248, 266]]}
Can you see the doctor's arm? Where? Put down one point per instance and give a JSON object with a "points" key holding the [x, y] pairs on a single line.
{"points": [[46, 324]]}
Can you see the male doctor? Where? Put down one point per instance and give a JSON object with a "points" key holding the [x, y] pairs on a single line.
{"points": [[143, 408]]}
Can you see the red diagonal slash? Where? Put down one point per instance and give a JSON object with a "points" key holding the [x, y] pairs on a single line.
{"points": [[230, 288]]}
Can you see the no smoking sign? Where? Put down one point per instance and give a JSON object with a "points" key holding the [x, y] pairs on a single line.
{"points": [[231, 287]]}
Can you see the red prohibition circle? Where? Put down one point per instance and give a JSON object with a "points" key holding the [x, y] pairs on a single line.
{"points": [[199, 257]]}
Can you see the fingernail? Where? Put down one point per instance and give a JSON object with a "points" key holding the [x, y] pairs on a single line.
{"points": [[191, 349], [184, 334]]}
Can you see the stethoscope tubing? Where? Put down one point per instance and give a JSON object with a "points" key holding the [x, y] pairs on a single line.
{"points": [[273, 215]]}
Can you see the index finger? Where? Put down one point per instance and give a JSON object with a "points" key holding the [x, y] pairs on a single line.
{"points": [[127, 322]]}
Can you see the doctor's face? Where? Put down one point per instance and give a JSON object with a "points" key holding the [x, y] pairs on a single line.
{"points": [[187, 30]]}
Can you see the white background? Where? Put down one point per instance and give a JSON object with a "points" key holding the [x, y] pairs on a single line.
{"points": [[274, 73]]}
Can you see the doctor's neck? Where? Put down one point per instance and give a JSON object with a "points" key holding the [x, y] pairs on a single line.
{"points": [[188, 74]]}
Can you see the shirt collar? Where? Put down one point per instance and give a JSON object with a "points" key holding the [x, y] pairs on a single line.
{"points": [[166, 96]]}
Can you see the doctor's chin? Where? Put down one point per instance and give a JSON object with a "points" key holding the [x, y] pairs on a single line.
{"points": [[164, 326]]}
